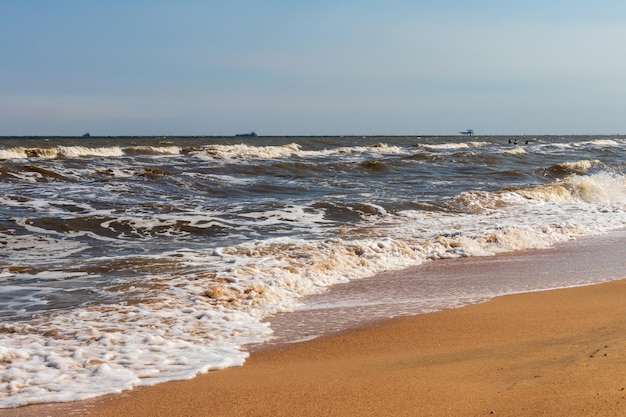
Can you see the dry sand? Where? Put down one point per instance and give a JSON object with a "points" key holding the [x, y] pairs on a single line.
{"points": [[552, 353]]}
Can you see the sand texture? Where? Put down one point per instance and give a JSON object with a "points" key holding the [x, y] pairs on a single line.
{"points": [[552, 353]]}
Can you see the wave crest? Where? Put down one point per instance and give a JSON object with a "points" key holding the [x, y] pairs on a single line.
{"points": [[602, 187], [575, 167]]}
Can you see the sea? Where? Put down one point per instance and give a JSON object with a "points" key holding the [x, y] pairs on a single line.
{"points": [[129, 261]]}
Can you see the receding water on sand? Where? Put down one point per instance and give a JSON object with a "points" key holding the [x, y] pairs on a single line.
{"points": [[452, 283]]}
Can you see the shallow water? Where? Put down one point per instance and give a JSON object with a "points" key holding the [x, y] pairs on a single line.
{"points": [[451, 283]]}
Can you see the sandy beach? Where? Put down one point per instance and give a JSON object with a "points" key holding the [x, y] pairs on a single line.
{"points": [[551, 353]]}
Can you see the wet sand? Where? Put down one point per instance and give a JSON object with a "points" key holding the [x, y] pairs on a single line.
{"points": [[554, 353]]}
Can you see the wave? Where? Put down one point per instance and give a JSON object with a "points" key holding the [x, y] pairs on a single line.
{"points": [[59, 152], [80, 151], [152, 150], [244, 151], [445, 146], [374, 165], [574, 167], [516, 150], [601, 187], [71, 152], [604, 142], [33, 174], [23, 153], [270, 152], [38, 174]]}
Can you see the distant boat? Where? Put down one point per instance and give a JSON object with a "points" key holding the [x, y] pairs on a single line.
{"points": [[87, 135], [251, 134]]}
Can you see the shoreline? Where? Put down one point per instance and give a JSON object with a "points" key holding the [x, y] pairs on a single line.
{"points": [[450, 283], [585, 263], [554, 352]]}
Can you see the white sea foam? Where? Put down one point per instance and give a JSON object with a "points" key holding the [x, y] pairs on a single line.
{"points": [[245, 151], [22, 250], [445, 146], [79, 151], [599, 188], [479, 144], [603, 142], [61, 151], [13, 153], [70, 152]]}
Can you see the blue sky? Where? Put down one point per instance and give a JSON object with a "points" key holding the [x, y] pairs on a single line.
{"points": [[190, 67]]}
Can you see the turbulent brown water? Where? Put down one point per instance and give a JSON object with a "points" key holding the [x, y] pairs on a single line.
{"points": [[129, 261]]}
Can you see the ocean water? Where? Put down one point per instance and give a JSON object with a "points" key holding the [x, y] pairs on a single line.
{"points": [[128, 261]]}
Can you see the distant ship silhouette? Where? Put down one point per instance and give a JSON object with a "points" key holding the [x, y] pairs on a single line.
{"points": [[253, 133]]}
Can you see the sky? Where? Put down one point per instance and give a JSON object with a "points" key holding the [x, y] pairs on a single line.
{"points": [[340, 67]]}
